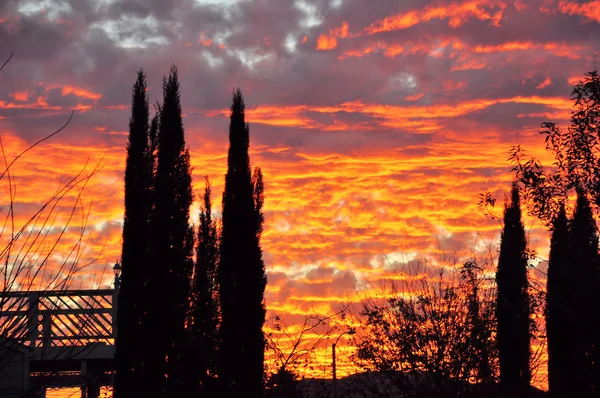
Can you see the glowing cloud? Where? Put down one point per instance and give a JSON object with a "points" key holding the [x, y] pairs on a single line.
{"points": [[456, 14], [589, 10]]}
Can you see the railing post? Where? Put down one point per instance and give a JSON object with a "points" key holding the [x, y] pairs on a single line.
{"points": [[32, 318], [46, 325]]}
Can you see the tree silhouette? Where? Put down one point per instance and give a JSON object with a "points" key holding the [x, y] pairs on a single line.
{"points": [[204, 320], [480, 324], [172, 244], [559, 318], [241, 272], [576, 152], [138, 206], [283, 384], [583, 250], [513, 302], [424, 339]]}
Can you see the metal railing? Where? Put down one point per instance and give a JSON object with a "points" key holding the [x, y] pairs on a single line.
{"points": [[41, 319]]}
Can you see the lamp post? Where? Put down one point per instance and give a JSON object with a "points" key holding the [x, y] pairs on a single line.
{"points": [[115, 298], [117, 270], [333, 365]]}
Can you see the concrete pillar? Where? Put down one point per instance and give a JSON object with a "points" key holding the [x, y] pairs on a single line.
{"points": [[91, 387], [32, 319], [84, 375]]}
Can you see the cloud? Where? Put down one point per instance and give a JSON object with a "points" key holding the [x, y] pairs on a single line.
{"points": [[590, 10], [456, 13]]}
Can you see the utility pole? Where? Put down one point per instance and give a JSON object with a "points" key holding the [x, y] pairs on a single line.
{"points": [[334, 380], [334, 393]]}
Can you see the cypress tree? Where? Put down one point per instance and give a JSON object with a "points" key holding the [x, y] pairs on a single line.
{"points": [[172, 244], [583, 250], [138, 206], [559, 319], [512, 306], [241, 272], [205, 309]]}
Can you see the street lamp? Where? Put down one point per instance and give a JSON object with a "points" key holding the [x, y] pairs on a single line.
{"points": [[115, 298], [334, 381], [117, 270]]}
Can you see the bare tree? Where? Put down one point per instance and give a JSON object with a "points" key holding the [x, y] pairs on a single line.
{"points": [[432, 332], [292, 348], [30, 244]]}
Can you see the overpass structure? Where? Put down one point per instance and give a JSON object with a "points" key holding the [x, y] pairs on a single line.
{"points": [[57, 339]]}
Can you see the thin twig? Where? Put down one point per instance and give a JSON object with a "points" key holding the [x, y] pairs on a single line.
{"points": [[37, 143], [5, 62]]}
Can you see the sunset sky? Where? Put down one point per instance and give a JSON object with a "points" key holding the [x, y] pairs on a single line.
{"points": [[376, 123]]}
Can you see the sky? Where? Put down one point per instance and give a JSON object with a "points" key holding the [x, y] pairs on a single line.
{"points": [[376, 123]]}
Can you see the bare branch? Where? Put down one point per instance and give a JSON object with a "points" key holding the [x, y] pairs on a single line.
{"points": [[7, 61], [37, 143]]}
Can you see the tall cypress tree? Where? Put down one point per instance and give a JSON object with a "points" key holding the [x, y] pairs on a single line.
{"points": [[512, 307], [138, 206], [204, 320], [584, 305], [172, 243], [241, 272], [559, 318]]}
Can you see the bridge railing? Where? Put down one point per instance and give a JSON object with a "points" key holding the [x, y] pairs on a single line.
{"points": [[41, 319]]}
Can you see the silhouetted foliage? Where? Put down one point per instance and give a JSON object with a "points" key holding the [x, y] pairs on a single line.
{"points": [[559, 317], [172, 243], [139, 175], [241, 272], [512, 309], [204, 320], [292, 348], [583, 303], [425, 340], [576, 154], [283, 384], [575, 170], [481, 323]]}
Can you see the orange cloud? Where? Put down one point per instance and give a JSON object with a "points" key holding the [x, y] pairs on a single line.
{"points": [[450, 85], [341, 32], [329, 42], [80, 92], [589, 10], [407, 48], [325, 42], [457, 14], [520, 5], [560, 49], [547, 81], [20, 96], [455, 48], [414, 97], [417, 118], [204, 41], [470, 64]]}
